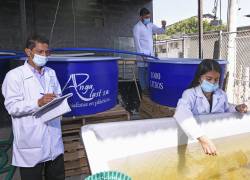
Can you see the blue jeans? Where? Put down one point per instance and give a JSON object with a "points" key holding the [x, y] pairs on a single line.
{"points": [[143, 77]]}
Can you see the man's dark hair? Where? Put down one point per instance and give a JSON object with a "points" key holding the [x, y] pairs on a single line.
{"points": [[31, 41], [144, 11]]}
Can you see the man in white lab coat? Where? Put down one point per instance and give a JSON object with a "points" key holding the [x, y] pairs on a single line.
{"points": [[37, 145], [143, 38]]}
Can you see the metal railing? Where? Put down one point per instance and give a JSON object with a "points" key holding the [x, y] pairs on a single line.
{"points": [[215, 46]]}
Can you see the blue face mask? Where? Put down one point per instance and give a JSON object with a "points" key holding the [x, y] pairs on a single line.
{"points": [[209, 87], [40, 60], [146, 21]]}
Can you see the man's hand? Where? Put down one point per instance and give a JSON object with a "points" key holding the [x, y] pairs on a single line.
{"points": [[46, 99]]}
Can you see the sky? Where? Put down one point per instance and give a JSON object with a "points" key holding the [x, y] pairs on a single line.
{"points": [[175, 10]]}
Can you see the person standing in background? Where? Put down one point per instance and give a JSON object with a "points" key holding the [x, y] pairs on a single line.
{"points": [[143, 38]]}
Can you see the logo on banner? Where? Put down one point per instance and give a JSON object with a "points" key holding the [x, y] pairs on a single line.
{"points": [[86, 90]]}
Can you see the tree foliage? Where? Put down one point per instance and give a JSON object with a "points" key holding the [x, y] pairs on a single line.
{"points": [[190, 26]]}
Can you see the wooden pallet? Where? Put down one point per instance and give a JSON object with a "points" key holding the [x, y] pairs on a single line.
{"points": [[77, 171], [115, 114], [149, 109], [76, 167], [75, 159]]}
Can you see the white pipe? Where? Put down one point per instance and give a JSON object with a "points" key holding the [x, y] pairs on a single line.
{"points": [[231, 56]]}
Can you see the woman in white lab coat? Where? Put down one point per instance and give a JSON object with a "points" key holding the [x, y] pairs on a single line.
{"points": [[203, 97]]}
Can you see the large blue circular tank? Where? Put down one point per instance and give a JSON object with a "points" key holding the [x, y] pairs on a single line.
{"points": [[92, 80], [169, 77]]}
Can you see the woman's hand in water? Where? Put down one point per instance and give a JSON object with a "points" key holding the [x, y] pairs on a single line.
{"points": [[207, 146], [242, 108]]}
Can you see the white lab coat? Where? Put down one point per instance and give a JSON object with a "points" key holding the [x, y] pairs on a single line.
{"points": [[143, 39], [193, 102], [34, 140]]}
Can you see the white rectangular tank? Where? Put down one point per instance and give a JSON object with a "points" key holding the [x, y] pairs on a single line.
{"points": [[155, 149]]}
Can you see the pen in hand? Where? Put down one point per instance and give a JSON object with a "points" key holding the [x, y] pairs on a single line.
{"points": [[51, 93], [46, 98]]}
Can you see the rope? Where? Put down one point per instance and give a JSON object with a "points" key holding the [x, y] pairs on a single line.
{"points": [[54, 22], [74, 20]]}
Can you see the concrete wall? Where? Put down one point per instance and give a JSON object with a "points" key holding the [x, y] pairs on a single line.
{"points": [[79, 23], [10, 35]]}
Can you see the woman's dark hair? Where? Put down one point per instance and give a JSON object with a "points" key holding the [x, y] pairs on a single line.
{"points": [[205, 66], [31, 41], [144, 11]]}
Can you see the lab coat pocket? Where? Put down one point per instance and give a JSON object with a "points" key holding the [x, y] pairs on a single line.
{"points": [[55, 125], [29, 136], [58, 129]]}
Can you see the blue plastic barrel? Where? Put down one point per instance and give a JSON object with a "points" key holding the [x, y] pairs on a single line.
{"points": [[169, 77], [92, 80]]}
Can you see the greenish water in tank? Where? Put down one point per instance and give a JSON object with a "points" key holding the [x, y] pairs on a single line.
{"points": [[188, 162]]}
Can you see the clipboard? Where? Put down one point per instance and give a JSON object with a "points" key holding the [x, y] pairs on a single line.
{"points": [[56, 108]]}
